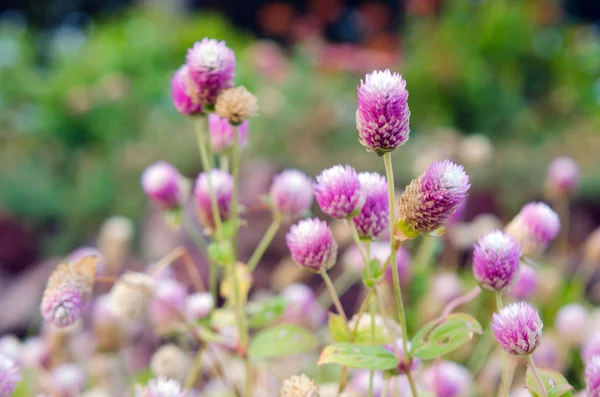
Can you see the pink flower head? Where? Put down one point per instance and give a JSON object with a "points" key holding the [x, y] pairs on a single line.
{"points": [[526, 285], [291, 194], [179, 93], [404, 365], [65, 304], [198, 306], [496, 260], [382, 116], [518, 328], [10, 376], [563, 176], [162, 387], [534, 227], [168, 303], [572, 324], [163, 184], [302, 306], [222, 133], [592, 376], [448, 379], [591, 347], [312, 245], [430, 200], [372, 220], [222, 186], [338, 192], [212, 67]]}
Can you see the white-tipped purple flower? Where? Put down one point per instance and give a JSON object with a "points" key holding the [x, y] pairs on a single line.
{"points": [[179, 93], [526, 285], [211, 66], [222, 187], [222, 133], [373, 219], [302, 306], [198, 306], [518, 328], [164, 185], [572, 323], [591, 347], [534, 227], [448, 379], [338, 192], [291, 194], [592, 376], [161, 387], [10, 376], [430, 200], [312, 245], [496, 261], [404, 365], [562, 177], [382, 116]]}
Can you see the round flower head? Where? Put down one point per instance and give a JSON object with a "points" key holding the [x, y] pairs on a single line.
{"points": [[382, 116], [448, 379], [10, 376], [222, 133], [312, 245], [372, 220], [526, 285], [563, 177], [163, 184], [170, 361], [592, 376], [211, 66], [338, 192], [572, 323], [130, 295], [222, 186], [179, 93], [237, 105], [496, 261], [161, 387], [404, 365], [518, 328], [198, 306], [291, 194], [299, 386], [432, 198], [534, 227], [591, 347]]}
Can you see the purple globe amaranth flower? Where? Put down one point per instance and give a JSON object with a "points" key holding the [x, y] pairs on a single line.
{"points": [[164, 185], [222, 133], [591, 347], [312, 245], [222, 187], [373, 219], [448, 379], [179, 93], [338, 192], [404, 365], [291, 194], [572, 324], [430, 200], [562, 177], [534, 227], [10, 376], [161, 387], [518, 328], [211, 66], [496, 260], [526, 285], [592, 376], [302, 306], [382, 116]]}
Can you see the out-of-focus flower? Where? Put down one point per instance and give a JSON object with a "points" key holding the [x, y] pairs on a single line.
{"points": [[299, 386], [572, 323], [337, 190], [591, 249], [291, 194], [592, 376], [430, 200], [114, 242], [211, 66], [10, 376], [10, 347], [534, 227], [404, 365], [364, 325], [475, 150], [81, 252], [359, 383], [373, 219], [106, 327], [448, 379], [131, 294], [550, 354], [302, 306], [562, 178], [222, 133], [383, 116], [161, 387], [591, 347], [68, 379], [445, 287], [167, 304], [171, 362], [35, 352], [198, 305], [352, 260], [96, 392], [164, 185], [526, 285], [237, 105], [222, 187], [381, 251], [496, 261], [518, 328], [312, 245], [179, 93]]}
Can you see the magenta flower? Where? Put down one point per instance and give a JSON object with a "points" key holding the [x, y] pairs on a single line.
{"points": [[312, 245], [496, 261], [222, 133], [591, 347], [163, 184], [291, 194], [526, 285], [382, 116], [518, 328], [179, 93], [338, 192], [10, 376], [563, 177], [222, 186], [404, 365], [534, 227], [592, 376], [161, 387], [430, 200], [448, 379], [372, 220], [211, 66]]}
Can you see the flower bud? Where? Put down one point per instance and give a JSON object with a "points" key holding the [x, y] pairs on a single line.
{"points": [[338, 192], [130, 295], [373, 219], [518, 328], [291, 194], [312, 245], [171, 362], [222, 133], [163, 184], [237, 105], [572, 323], [179, 93], [496, 261], [299, 386], [526, 285], [222, 187], [562, 177], [198, 306], [161, 387], [534, 227], [114, 242], [448, 379], [592, 376], [10, 376]]}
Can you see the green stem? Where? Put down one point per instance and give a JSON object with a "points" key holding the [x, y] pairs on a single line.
{"points": [[335, 298], [505, 385], [196, 367], [536, 374], [357, 241], [264, 243], [201, 245], [372, 373], [342, 284], [234, 214], [224, 162]]}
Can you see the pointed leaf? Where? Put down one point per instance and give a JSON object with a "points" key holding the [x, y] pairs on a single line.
{"points": [[358, 356], [556, 385], [437, 337], [282, 340]]}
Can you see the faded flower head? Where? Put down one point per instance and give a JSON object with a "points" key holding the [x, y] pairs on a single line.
{"points": [[222, 185], [496, 260], [164, 185], [572, 324], [171, 362], [299, 386], [291, 194], [518, 328], [338, 192], [312, 245], [10, 376], [372, 220], [562, 177], [131, 294], [179, 93], [430, 200], [211, 66], [199, 305], [592, 376], [448, 379], [526, 285], [382, 116], [534, 227], [161, 387], [237, 105], [222, 133], [69, 291]]}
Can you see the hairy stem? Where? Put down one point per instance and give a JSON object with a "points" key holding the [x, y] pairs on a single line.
{"points": [[536, 374]]}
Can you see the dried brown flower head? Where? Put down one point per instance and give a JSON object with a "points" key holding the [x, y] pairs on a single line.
{"points": [[236, 105], [171, 362], [299, 386]]}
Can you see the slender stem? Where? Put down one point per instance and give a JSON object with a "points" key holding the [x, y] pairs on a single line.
{"points": [[363, 309], [335, 298], [425, 253], [357, 241], [505, 385], [264, 243], [536, 374], [412, 383], [386, 386], [224, 163], [201, 246], [235, 160], [372, 373], [195, 370], [342, 284]]}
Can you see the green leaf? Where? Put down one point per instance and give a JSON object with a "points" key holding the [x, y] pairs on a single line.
{"points": [[556, 385], [364, 336], [437, 337], [264, 313], [359, 356], [372, 273], [337, 328], [282, 340], [402, 231]]}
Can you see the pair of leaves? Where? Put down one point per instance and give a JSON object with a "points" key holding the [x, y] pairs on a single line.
{"points": [[282, 340], [556, 385]]}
